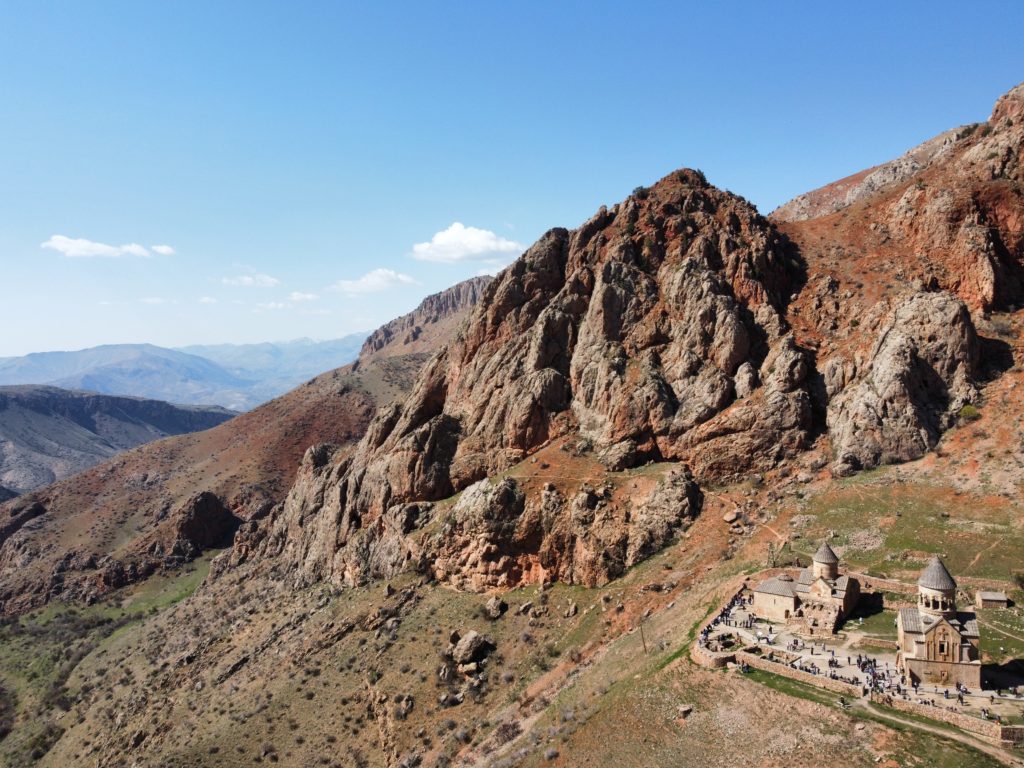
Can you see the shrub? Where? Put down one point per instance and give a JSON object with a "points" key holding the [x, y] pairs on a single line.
{"points": [[969, 413], [641, 193]]}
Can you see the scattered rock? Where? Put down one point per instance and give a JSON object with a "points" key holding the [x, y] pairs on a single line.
{"points": [[495, 607]]}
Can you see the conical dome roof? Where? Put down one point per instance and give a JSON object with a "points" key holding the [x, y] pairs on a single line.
{"points": [[825, 555], [935, 576]]}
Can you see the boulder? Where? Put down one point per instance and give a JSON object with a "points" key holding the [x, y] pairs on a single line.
{"points": [[495, 607]]}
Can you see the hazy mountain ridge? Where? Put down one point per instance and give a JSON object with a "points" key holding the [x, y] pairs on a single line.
{"points": [[235, 376], [276, 367], [47, 433]]}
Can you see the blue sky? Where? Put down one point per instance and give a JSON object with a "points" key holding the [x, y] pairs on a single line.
{"points": [[293, 155]]}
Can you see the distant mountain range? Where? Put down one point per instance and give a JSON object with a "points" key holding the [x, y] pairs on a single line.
{"points": [[276, 368], [235, 376], [47, 434]]}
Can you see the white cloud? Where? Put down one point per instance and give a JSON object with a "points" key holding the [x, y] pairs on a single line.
{"points": [[462, 243], [80, 248], [299, 296], [163, 250], [207, 300], [153, 300], [252, 281], [274, 305], [375, 281], [492, 268]]}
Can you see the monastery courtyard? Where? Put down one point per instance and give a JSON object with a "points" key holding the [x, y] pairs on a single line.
{"points": [[850, 656]]}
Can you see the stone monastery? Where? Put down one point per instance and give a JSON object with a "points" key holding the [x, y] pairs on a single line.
{"points": [[816, 602]]}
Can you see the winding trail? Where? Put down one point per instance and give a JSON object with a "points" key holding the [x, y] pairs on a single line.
{"points": [[982, 746]]}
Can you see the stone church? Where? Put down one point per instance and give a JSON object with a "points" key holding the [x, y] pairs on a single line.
{"points": [[937, 643], [816, 602]]}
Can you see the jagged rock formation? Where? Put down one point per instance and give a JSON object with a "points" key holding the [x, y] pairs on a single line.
{"points": [[637, 332], [47, 434], [431, 320], [680, 325]]}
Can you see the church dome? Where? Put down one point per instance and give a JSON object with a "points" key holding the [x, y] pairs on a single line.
{"points": [[825, 555], [936, 577]]}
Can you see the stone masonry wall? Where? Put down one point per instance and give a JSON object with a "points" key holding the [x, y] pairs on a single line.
{"points": [[988, 729], [784, 670]]}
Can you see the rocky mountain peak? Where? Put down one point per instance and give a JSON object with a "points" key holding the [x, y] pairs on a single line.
{"points": [[1009, 106], [652, 331], [421, 328]]}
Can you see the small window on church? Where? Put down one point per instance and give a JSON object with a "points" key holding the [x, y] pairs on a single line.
{"points": [[942, 647]]}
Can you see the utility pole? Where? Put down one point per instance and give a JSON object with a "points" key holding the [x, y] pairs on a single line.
{"points": [[642, 638]]}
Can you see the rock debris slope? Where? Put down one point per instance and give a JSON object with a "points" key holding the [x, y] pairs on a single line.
{"points": [[47, 434]]}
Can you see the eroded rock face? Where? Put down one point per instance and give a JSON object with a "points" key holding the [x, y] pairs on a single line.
{"points": [[894, 403], [632, 327], [679, 325], [495, 536]]}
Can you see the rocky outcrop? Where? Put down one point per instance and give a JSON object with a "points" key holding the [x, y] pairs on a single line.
{"points": [[432, 314], [631, 328], [893, 403], [678, 325], [496, 537], [629, 332], [845, 192], [202, 522]]}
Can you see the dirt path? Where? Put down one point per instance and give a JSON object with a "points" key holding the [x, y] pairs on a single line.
{"points": [[994, 628], [982, 746], [977, 557]]}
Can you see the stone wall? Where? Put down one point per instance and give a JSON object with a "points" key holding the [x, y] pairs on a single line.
{"points": [[944, 673], [711, 659], [784, 670], [876, 584], [987, 729], [966, 584]]}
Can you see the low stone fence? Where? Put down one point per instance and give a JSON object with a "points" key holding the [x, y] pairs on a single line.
{"points": [[987, 729], [711, 659], [879, 584], [879, 642], [784, 670], [968, 584]]}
